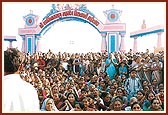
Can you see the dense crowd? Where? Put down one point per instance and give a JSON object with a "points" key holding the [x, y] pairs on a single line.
{"points": [[97, 81]]}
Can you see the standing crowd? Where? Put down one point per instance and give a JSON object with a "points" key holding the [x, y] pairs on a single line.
{"points": [[96, 81]]}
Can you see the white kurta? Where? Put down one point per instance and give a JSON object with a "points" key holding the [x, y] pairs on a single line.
{"points": [[18, 95]]}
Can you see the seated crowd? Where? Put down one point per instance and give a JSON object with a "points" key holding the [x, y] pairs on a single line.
{"points": [[97, 81]]}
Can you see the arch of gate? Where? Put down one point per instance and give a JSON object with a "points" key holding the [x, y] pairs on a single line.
{"points": [[159, 29], [110, 31]]}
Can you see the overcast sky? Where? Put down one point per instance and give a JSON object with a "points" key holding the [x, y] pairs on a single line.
{"points": [[84, 36]]}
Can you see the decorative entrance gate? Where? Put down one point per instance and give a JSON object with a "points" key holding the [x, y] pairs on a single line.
{"points": [[110, 31]]}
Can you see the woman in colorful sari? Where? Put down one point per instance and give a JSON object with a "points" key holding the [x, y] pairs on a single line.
{"points": [[111, 62]]}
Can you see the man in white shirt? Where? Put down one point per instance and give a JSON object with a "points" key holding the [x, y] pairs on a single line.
{"points": [[18, 95]]}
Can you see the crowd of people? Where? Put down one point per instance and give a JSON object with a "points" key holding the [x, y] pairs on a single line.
{"points": [[116, 81]]}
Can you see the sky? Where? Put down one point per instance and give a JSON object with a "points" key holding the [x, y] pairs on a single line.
{"points": [[73, 36]]}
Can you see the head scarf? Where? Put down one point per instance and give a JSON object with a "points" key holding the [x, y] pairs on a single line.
{"points": [[43, 107]]}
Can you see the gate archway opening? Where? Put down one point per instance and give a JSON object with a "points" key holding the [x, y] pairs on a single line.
{"points": [[68, 37]]}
